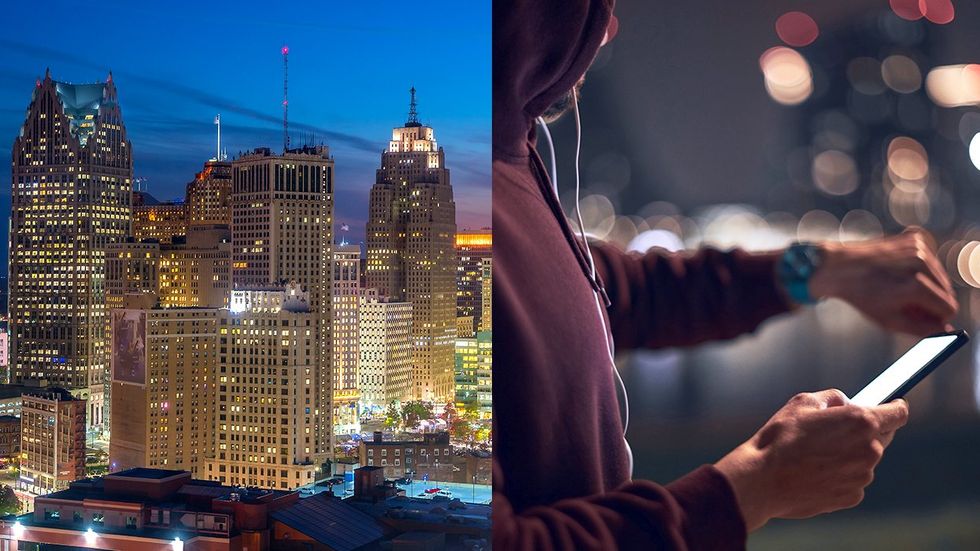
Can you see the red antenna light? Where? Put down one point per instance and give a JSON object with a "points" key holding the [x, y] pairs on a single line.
{"points": [[285, 50]]}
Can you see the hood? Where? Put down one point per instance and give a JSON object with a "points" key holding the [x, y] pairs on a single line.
{"points": [[541, 48]]}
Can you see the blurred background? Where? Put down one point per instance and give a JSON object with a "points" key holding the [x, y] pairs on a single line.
{"points": [[756, 124]]}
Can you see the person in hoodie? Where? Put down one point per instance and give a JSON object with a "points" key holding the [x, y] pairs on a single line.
{"points": [[562, 475]]}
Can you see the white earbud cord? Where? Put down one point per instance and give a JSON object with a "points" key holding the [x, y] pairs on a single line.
{"points": [[588, 252]]}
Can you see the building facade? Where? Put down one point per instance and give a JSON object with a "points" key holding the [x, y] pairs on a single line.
{"points": [[385, 335], [9, 440], [474, 374], [282, 231], [431, 457], [410, 249], [346, 336], [266, 398], [160, 221], [164, 375], [474, 248], [52, 440], [71, 198], [209, 195]]}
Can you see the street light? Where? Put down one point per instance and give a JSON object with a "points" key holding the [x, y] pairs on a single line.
{"points": [[90, 536], [177, 544]]}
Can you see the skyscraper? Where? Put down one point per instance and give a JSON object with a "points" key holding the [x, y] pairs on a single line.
{"points": [[345, 339], [473, 249], [267, 362], [71, 198], [410, 253], [282, 231], [164, 388], [209, 195], [385, 329]]}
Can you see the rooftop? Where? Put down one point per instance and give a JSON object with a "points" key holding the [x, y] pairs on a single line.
{"points": [[332, 522], [81, 103]]}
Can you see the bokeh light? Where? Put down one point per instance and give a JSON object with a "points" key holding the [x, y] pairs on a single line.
{"points": [[907, 9], [954, 85], [797, 29], [975, 150], [858, 225], [864, 74], [788, 78], [908, 164], [901, 74], [835, 172], [818, 225], [938, 11]]}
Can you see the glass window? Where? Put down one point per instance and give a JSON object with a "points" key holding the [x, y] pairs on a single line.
{"points": [[98, 518], [130, 522]]}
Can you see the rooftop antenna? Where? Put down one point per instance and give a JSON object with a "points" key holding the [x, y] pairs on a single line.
{"points": [[413, 115], [217, 121], [285, 98]]}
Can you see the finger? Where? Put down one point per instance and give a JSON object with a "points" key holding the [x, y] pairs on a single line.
{"points": [[891, 416], [929, 264], [934, 300], [831, 397]]}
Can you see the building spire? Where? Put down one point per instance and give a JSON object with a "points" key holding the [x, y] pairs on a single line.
{"points": [[413, 114]]}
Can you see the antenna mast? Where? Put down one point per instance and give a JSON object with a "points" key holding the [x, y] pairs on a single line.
{"points": [[413, 115], [285, 98], [217, 121]]}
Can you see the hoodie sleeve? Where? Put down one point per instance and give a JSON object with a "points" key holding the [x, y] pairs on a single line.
{"points": [[662, 299], [698, 511]]}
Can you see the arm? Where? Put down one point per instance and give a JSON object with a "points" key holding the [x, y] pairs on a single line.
{"points": [[698, 511], [662, 299], [668, 299]]}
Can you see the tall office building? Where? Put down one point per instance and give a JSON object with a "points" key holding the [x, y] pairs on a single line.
{"points": [[385, 329], [164, 388], [282, 231], [486, 298], [209, 195], [52, 440], [195, 271], [410, 254], [131, 268], [474, 373], [473, 249], [162, 221], [346, 354], [71, 198], [267, 362]]}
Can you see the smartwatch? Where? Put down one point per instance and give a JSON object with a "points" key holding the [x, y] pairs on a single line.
{"points": [[796, 267]]}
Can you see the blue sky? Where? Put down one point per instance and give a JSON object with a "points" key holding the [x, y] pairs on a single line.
{"points": [[350, 67]]}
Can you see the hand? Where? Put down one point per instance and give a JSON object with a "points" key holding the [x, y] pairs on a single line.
{"points": [[815, 455], [897, 282]]}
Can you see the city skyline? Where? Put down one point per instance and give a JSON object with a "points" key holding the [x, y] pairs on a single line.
{"points": [[338, 93]]}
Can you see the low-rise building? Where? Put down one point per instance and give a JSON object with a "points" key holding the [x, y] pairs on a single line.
{"points": [[430, 458], [52, 440], [9, 439], [148, 509]]}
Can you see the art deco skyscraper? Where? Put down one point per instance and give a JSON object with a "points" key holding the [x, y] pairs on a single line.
{"points": [[410, 253], [71, 198], [282, 231], [345, 338]]}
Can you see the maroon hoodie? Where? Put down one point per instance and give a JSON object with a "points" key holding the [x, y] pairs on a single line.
{"points": [[561, 474]]}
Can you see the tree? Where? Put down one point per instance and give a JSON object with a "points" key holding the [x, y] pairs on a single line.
{"points": [[415, 411], [393, 418], [9, 504], [449, 413]]}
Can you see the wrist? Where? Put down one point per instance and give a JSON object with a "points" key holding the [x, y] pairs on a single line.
{"points": [[827, 279], [744, 469]]}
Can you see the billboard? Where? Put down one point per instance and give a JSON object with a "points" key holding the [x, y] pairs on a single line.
{"points": [[129, 346]]}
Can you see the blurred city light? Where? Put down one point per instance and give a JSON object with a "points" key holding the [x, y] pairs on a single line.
{"points": [[797, 29], [954, 85], [788, 78]]}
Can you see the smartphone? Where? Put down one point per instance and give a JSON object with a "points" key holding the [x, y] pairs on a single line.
{"points": [[911, 368]]}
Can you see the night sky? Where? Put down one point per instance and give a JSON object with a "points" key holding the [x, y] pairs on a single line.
{"points": [[351, 65]]}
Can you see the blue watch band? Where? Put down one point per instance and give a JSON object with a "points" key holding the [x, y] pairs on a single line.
{"points": [[796, 267]]}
